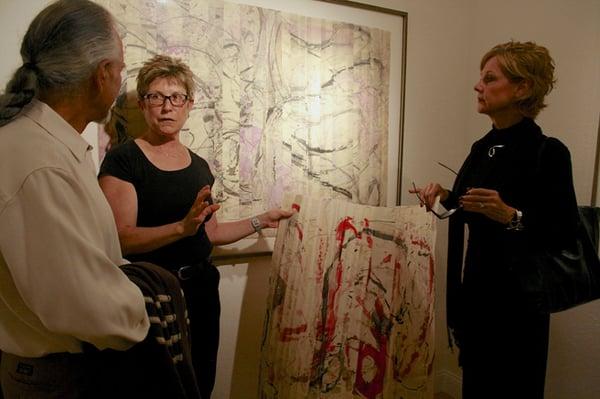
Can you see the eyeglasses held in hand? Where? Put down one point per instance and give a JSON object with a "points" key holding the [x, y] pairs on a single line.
{"points": [[443, 215], [157, 99]]}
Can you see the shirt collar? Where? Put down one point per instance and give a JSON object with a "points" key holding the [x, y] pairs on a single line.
{"points": [[59, 128]]}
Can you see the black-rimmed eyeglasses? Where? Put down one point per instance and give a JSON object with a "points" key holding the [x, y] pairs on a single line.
{"points": [[157, 99]]}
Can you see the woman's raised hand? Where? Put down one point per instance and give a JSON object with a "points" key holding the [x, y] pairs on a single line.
{"points": [[198, 212]]}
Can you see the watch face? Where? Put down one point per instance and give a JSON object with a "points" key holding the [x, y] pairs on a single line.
{"points": [[256, 224]]}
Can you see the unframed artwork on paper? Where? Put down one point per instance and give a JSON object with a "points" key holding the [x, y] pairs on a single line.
{"points": [[350, 308]]}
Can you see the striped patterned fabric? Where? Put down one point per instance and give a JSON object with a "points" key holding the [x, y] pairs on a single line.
{"points": [[169, 326]]}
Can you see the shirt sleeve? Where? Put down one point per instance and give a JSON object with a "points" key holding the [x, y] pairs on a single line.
{"points": [[61, 252], [118, 163]]}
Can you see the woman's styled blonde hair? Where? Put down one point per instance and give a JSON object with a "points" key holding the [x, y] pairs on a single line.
{"points": [[163, 66], [526, 62]]}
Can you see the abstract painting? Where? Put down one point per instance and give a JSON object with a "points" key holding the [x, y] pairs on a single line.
{"points": [[350, 308], [284, 101]]}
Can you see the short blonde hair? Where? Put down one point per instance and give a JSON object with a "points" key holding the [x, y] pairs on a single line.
{"points": [[526, 62], [163, 66]]}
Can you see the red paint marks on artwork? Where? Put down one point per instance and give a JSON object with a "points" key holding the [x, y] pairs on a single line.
{"points": [[371, 362], [340, 231], [326, 327], [421, 243], [332, 296], [387, 258], [291, 333], [407, 370], [369, 237], [321, 259], [299, 231], [431, 274], [397, 266], [296, 207], [414, 357]]}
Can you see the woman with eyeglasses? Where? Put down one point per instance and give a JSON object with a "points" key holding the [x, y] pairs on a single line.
{"points": [[515, 192], [159, 192]]}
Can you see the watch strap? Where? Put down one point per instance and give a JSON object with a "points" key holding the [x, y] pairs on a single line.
{"points": [[515, 223], [256, 225]]}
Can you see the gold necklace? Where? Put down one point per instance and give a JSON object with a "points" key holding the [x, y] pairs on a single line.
{"points": [[176, 154]]}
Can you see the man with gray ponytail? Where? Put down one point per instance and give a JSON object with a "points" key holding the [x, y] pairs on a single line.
{"points": [[61, 289]]}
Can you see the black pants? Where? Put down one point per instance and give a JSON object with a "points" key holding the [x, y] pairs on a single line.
{"points": [[505, 357], [200, 286]]}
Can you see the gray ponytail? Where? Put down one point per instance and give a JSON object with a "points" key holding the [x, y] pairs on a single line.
{"points": [[61, 49]]}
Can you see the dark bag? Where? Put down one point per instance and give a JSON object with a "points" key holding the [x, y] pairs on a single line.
{"points": [[555, 280]]}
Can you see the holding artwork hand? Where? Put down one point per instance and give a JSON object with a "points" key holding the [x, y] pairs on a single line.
{"points": [[271, 218]]}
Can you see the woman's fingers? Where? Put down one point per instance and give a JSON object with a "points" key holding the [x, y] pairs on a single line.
{"points": [[486, 202]]}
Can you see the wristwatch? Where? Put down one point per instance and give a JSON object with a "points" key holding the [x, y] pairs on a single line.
{"points": [[515, 222], [255, 222]]}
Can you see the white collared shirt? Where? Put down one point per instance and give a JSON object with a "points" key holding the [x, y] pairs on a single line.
{"points": [[60, 283]]}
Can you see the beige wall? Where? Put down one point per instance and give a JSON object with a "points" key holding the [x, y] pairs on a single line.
{"points": [[445, 41]]}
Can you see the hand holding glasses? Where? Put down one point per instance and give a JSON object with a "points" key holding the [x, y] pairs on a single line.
{"points": [[442, 215]]}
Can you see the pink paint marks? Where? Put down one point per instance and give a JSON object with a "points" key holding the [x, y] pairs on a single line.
{"points": [[387, 258], [249, 140]]}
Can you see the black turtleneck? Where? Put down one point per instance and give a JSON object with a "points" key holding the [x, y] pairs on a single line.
{"points": [[539, 183]]}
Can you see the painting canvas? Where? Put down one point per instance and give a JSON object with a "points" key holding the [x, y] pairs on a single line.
{"points": [[350, 308], [284, 101]]}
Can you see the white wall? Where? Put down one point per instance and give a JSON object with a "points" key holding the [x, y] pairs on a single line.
{"points": [[445, 42]]}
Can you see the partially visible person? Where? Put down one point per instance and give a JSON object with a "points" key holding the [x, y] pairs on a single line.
{"points": [[126, 121], [159, 192], [515, 192], [61, 289]]}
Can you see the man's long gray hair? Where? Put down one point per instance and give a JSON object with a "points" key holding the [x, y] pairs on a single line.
{"points": [[62, 47]]}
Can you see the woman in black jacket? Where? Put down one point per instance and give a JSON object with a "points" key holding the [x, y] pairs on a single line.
{"points": [[515, 192]]}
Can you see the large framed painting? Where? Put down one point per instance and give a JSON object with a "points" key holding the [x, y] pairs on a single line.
{"points": [[303, 96]]}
